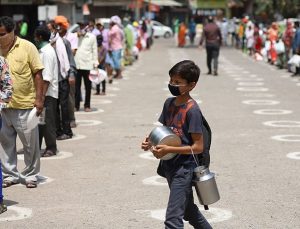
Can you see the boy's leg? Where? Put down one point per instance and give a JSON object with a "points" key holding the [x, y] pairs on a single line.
{"points": [[180, 183], [193, 215], [208, 58]]}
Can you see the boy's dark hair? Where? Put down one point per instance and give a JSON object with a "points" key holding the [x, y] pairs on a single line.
{"points": [[296, 24], [99, 39], [43, 31], [8, 23], [187, 70]]}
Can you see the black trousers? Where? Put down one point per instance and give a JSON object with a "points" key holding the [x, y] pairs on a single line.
{"points": [[48, 131], [88, 87], [63, 113], [212, 54]]}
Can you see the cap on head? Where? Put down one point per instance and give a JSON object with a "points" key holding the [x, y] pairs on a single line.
{"points": [[62, 20]]}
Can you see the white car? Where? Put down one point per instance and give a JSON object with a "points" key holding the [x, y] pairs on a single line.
{"points": [[160, 30]]}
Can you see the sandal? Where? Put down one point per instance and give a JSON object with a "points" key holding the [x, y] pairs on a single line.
{"points": [[31, 184], [3, 208], [7, 183], [48, 153]]}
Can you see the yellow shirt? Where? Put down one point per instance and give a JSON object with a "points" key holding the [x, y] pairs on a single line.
{"points": [[24, 61]]}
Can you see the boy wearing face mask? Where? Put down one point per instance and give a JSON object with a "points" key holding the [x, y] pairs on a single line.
{"points": [[182, 114]]}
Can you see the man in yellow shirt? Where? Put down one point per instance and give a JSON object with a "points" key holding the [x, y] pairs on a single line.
{"points": [[26, 72]]}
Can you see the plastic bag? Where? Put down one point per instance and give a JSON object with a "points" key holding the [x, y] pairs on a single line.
{"points": [[295, 61]]}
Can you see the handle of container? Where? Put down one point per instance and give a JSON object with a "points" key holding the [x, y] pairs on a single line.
{"points": [[196, 160]]}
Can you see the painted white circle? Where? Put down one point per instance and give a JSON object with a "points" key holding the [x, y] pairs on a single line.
{"points": [[272, 112], [60, 155], [251, 83], [287, 138], [94, 111], [294, 155], [213, 215], [110, 95], [155, 180], [252, 89], [114, 89], [261, 102], [88, 122], [283, 123], [148, 156], [157, 124], [258, 95], [284, 76], [76, 137], [19, 213], [249, 79], [253, 76], [103, 101]]}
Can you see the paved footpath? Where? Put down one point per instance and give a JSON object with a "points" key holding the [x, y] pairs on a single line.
{"points": [[102, 179]]}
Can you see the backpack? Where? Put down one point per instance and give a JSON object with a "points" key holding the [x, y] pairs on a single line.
{"points": [[204, 157]]}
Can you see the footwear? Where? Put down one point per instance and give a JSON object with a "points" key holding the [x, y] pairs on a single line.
{"points": [[63, 137], [102, 93], [97, 93], [3, 208], [7, 183], [87, 109], [31, 184], [48, 153], [110, 81], [295, 74], [73, 124], [208, 73], [215, 73]]}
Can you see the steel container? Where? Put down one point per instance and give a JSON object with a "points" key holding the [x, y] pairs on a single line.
{"points": [[205, 185], [163, 135]]}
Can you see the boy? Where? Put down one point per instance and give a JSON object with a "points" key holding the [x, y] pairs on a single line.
{"points": [[182, 114]]}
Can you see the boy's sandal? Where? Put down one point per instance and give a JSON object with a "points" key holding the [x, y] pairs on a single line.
{"points": [[31, 184], [7, 183], [3, 208]]}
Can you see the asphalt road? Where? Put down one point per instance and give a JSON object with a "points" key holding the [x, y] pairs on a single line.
{"points": [[102, 179]]}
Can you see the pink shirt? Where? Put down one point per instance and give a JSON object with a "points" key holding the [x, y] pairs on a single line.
{"points": [[116, 38], [73, 39]]}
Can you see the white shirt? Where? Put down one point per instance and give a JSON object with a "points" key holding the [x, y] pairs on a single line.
{"points": [[50, 72], [86, 56]]}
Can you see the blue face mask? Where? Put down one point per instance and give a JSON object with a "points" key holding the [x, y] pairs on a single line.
{"points": [[174, 90]]}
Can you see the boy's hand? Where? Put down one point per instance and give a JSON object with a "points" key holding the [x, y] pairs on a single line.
{"points": [[159, 151], [146, 144]]}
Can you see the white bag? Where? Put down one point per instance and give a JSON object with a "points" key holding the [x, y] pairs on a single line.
{"points": [[295, 61], [279, 47]]}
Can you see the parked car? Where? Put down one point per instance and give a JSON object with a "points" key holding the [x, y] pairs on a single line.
{"points": [[160, 30]]}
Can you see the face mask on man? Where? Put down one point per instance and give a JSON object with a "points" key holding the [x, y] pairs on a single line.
{"points": [[6, 42]]}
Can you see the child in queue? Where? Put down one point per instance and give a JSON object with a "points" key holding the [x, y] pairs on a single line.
{"points": [[183, 115]]}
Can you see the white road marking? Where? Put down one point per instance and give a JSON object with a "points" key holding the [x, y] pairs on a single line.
{"points": [[110, 95], [148, 156], [272, 112], [76, 137], [261, 102], [249, 79], [252, 89], [245, 72], [102, 101], [251, 83], [287, 138], [94, 111], [88, 122], [284, 76], [155, 180], [298, 84], [294, 80], [283, 123], [213, 215], [60, 155], [114, 89], [294, 155], [157, 123], [19, 213], [253, 76], [258, 95]]}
